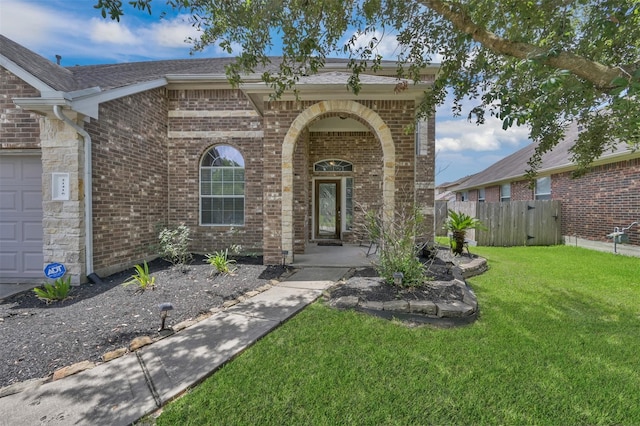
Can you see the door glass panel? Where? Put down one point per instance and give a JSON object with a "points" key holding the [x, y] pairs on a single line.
{"points": [[327, 218]]}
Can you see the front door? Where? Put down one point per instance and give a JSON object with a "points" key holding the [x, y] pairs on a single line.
{"points": [[327, 211]]}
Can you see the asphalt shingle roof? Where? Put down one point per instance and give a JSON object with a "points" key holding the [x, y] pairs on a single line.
{"points": [[515, 165], [112, 76]]}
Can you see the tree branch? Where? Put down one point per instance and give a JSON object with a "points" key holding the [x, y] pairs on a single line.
{"points": [[600, 75]]}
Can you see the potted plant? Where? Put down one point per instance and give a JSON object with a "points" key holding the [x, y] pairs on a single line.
{"points": [[458, 224]]}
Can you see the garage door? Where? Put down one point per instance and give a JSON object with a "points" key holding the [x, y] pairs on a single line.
{"points": [[21, 257]]}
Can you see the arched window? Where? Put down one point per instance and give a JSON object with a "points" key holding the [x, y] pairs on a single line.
{"points": [[222, 187], [333, 166]]}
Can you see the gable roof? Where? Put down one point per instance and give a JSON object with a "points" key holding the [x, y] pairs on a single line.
{"points": [[52, 76], [514, 166], [83, 88]]}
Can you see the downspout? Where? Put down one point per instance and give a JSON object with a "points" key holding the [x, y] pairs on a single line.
{"points": [[88, 185]]}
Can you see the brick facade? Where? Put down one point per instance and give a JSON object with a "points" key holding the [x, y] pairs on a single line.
{"points": [[606, 197], [219, 117], [129, 179], [146, 153], [20, 129]]}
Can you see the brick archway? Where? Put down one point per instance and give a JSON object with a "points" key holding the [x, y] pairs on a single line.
{"points": [[377, 125]]}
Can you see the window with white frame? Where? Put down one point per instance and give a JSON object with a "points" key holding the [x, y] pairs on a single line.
{"points": [[505, 192], [222, 181], [481, 195], [464, 196], [543, 188]]}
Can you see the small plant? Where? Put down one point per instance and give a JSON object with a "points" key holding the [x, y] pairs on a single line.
{"points": [[458, 224], [174, 245], [59, 290], [142, 278], [221, 262]]}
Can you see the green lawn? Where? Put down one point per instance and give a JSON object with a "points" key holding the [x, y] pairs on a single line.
{"points": [[557, 343]]}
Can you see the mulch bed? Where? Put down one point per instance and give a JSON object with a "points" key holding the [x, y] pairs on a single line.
{"points": [[39, 338]]}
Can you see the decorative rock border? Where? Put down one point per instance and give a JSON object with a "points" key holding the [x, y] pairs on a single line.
{"points": [[424, 311]]}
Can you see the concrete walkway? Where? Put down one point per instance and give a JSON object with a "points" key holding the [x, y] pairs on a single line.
{"points": [[121, 391]]}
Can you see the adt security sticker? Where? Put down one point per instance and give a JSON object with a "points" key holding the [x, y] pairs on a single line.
{"points": [[55, 270]]}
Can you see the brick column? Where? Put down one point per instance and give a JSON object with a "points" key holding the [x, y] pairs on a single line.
{"points": [[63, 221]]}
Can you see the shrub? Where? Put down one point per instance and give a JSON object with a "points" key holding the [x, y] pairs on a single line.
{"points": [[458, 224], [221, 262], [174, 245], [142, 278], [398, 240], [59, 290]]}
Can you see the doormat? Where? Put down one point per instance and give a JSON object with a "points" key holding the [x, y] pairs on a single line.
{"points": [[329, 243]]}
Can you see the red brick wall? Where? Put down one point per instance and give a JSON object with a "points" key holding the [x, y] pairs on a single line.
{"points": [[607, 196], [278, 116], [184, 155], [129, 178], [521, 191], [492, 194], [364, 151], [20, 129]]}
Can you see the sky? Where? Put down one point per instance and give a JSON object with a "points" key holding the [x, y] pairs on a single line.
{"points": [[76, 31]]}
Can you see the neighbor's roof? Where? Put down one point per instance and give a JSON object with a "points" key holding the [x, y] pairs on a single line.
{"points": [[514, 166]]}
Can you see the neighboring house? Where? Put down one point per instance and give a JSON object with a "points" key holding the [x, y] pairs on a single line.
{"points": [[606, 197], [96, 159]]}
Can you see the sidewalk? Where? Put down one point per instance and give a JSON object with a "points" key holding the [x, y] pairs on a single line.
{"points": [[122, 391]]}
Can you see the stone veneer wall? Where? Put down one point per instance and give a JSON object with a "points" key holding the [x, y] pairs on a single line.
{"points": [[129, 179], [199, 120], [63, 221]]}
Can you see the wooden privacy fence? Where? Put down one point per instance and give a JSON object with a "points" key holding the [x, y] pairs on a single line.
{"points": [[514, 223]]}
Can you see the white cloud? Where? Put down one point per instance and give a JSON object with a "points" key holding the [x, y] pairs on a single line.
{"points": [[461, 135], [171, 33], [112, 32]]}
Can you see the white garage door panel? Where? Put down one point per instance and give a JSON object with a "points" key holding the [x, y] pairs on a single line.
{"points": [[21, 257]]}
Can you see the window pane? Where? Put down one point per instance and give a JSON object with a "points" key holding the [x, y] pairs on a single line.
{"points": [[222, 188]]}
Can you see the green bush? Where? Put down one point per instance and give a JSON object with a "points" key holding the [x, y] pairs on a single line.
{"points": [[174, 245], [400, 242], [59, 290]]}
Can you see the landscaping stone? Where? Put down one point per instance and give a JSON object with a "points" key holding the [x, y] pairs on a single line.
{"points": [[72, 369], [345, 302], [454, 309], [423, 307], [184, 324], [396, 305], [114, 354], [139, 342]]}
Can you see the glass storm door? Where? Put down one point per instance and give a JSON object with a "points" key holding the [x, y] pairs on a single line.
{"points": [[327, 209]]}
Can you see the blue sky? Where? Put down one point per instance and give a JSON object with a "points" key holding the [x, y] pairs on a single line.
{"points": [[77, 32]]}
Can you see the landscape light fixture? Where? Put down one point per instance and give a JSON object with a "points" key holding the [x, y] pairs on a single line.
{"points": [[397, 278], [164, 310]]}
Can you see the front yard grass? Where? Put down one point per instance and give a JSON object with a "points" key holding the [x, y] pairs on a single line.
{"points": [[557, 342]]}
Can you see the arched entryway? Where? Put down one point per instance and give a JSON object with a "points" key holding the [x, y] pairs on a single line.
{"points": [[377, 126]]}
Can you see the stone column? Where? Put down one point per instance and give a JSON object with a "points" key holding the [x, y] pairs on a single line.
{"points": [[63, 221]]}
